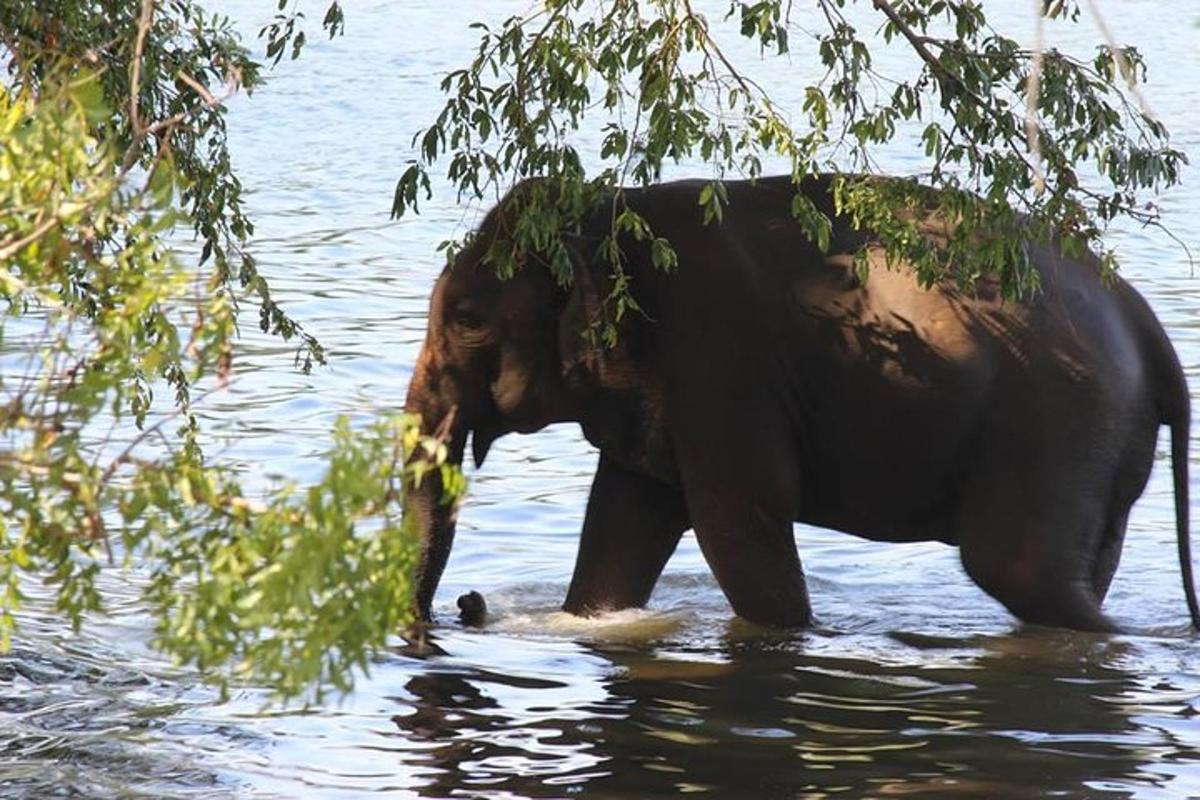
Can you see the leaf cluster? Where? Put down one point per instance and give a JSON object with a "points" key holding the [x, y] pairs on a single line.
{"points": [[187, 55], [660, 84], [298, 591], [111, 141]]}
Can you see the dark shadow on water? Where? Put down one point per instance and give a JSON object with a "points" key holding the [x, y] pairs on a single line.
{"points": [[1034, 714]]}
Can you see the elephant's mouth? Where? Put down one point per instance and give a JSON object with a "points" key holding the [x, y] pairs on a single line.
{"points": [[493, 424], [484, 434]]}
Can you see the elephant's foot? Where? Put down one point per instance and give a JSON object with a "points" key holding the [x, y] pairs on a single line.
{"points": [[1068, 604], [787, 608], [1038, 591], [1073, 607]]}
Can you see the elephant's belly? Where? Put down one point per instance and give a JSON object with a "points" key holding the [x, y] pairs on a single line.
{"points": [[887, 528], [887, 474]]}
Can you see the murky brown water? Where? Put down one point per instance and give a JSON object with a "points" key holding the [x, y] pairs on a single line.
{"points": [[913, 683]]}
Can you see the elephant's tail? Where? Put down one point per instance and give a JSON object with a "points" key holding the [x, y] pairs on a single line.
{"points": [[1180, 431], [1176, 405]]}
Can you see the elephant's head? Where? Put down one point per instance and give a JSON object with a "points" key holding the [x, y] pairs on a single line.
{"points": [[496, 360]]}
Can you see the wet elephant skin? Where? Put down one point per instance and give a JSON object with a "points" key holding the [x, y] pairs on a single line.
{"points": [[765, 383]]}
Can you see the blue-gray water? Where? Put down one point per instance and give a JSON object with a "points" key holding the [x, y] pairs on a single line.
{"points": [[914, 683]]}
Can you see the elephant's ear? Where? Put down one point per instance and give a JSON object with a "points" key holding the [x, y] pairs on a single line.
{"points": [[578, 320]]}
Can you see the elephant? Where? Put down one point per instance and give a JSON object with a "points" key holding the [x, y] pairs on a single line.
{"points": [[766, 382]]}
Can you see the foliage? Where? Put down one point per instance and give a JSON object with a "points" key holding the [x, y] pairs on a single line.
{"points": [[183, 52], [111, 141], [664, 90], [298, 591]]}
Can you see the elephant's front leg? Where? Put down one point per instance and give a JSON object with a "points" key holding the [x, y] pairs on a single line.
{"points": [[632, 525], [742, 510], [752, 552]]}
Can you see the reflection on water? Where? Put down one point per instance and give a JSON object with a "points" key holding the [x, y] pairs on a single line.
{"points": [[912, 684], [1037, 714], [741, 713]]}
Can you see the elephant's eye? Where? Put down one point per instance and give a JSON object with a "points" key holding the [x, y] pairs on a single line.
{"points": [[467, 318]]}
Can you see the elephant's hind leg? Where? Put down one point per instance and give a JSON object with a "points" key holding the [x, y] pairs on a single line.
{"points": [[1108, 555], [1041, 556], [1132, 474], [632, 526]]}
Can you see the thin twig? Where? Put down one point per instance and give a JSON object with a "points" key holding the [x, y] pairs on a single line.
{"points": [[124, 456], [198, 87], [749, 86], [442, 434]]}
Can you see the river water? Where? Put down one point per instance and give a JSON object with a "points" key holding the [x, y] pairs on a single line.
{"points": [[913, 682]]}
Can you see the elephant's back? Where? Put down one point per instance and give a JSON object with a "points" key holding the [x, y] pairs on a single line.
{"points": [[886, 383]]}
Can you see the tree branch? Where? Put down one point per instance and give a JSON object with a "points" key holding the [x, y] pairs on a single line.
{"points": [[12, 247], [945, 76], [917, 41], [135, 78]]}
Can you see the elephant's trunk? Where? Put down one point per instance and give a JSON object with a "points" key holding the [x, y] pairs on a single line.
{"points": [[434, 519], [435, 522]]}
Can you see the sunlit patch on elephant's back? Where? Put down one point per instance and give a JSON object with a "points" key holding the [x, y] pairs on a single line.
{"points": [[908, 334]]}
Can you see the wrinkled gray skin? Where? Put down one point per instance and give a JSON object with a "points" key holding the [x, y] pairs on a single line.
{"points": [[766, 384]]}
